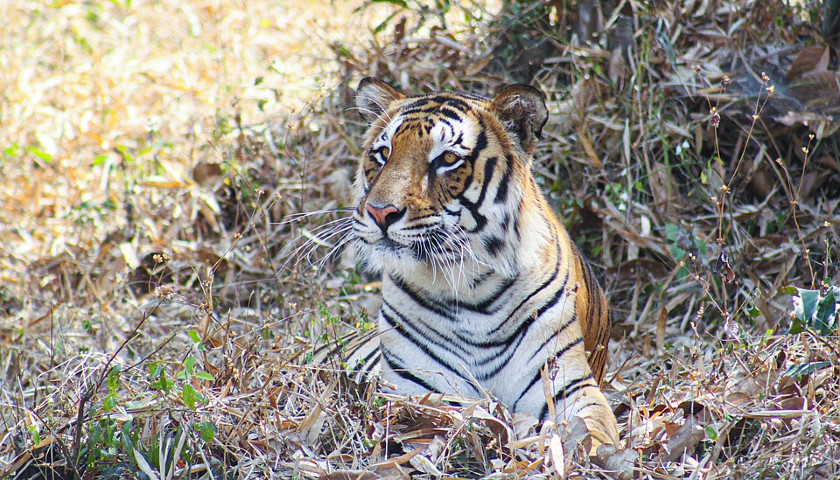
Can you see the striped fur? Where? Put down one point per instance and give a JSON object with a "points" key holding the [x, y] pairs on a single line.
{"points": [[482, 288]]}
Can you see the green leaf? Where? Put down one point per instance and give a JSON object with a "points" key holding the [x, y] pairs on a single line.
{"points": [[114, 378], [161, 381], [109, 403], [189, 364], [789, 290], [194, 336], [826, 315], [806, 368], [125, 439], [126, 155], [100, 159], [806, 306], [189, 395], [34, 435], [266, 333], [796, 326], [399, 3], [384, 24], [42, 155], [205, 376], [206, 430], [711, 434], [12, 151]]}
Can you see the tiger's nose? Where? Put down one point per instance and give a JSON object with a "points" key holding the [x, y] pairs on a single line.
{"points": [[384, 216]]}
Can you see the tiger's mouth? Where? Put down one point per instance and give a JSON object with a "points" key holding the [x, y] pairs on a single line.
{"points": [[428, 245], [389, 244], [421, 249]]}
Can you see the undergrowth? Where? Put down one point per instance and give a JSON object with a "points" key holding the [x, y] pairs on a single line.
{"points": [[159, 320]]}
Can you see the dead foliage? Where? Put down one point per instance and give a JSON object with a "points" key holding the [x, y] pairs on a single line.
{"points": [[160, 298]]}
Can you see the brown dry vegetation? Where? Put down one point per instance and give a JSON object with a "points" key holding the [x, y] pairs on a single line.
{"points": [[159, 299]]}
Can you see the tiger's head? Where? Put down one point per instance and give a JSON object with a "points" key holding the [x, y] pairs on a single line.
{"points": [[445, 183]]}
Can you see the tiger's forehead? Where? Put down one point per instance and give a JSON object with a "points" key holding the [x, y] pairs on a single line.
{"points": [[448, 120]]}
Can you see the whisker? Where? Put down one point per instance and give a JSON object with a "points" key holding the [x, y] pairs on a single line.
{"points": [[380, 116], [298, 217], [319, 237], [324, 241]]}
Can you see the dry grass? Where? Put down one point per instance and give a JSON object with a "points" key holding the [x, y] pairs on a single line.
{"points": [[157, 303]]}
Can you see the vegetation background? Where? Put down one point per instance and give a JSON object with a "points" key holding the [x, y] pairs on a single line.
{"points": [[167, 265]]}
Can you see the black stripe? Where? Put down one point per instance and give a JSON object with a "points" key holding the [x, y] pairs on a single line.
{"points": [[502, 191], [520, 332], [402, 326], [460, 139], [426, 303], [449, 113], [445, 121], [480, 145], [484, 306], [374, 361], [391, 360], [419, 103], [456, 103], [567, 391], [516, 231], [552, 337], [507, 349], [537, 290], [525, 325], [489, 166], [561, 292], [493, 245], [421, 111], [506, 221], [547, 282], [475, 282], [363, 363], [537, 376]]}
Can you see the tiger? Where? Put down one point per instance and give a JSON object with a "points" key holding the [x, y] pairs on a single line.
{"points": [[482, 288]]}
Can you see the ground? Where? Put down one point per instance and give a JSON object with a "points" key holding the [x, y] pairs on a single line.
{"points": [[166, 269]]}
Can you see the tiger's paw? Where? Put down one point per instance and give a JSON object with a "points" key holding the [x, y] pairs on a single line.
{"points": [[598, 437], [615, 459]]}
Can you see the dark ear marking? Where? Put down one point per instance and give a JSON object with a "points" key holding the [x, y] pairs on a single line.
{"points": [[374, 97], [523, 112]]}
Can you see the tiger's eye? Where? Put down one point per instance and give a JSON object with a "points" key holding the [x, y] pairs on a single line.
{"points": [[385, 152], [449, 158]]}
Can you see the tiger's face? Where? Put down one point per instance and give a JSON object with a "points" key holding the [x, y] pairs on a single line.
{"points": [[441, 179]]}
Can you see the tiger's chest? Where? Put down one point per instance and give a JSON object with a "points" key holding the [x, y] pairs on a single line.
{"points": [[496, 341]]}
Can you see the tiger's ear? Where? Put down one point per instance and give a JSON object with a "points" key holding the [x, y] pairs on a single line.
{"points": [[373, 97], [523, 112]]}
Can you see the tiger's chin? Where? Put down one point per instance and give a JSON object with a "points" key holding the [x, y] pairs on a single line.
{"points": [[450, 273], [388, 257]]}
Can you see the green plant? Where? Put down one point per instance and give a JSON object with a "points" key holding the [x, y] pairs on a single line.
{"points": [[815, 310], [421, 8]]}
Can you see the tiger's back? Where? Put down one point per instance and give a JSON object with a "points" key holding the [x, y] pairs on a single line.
{"points": [[482, 288]]}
